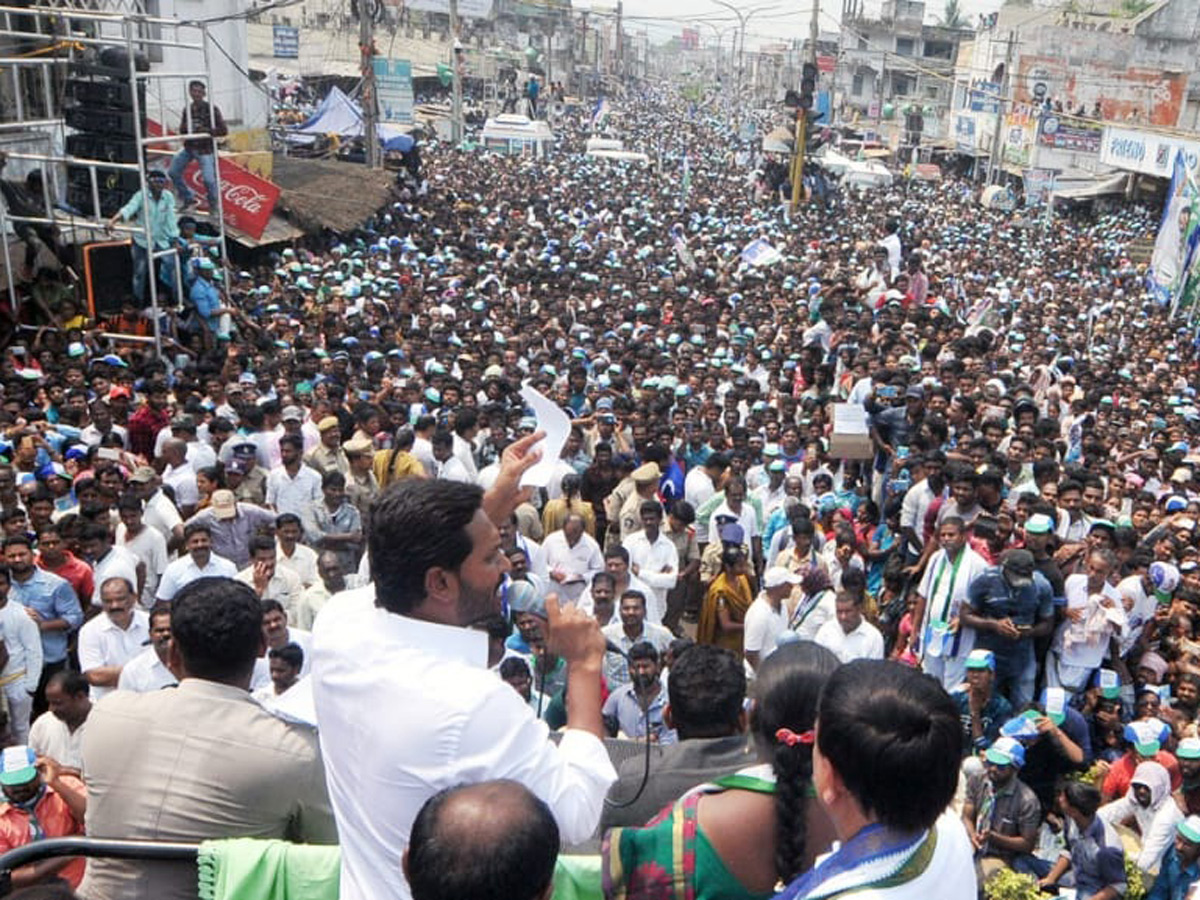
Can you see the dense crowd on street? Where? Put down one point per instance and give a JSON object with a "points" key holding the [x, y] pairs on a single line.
{"points": [[285, 584]]}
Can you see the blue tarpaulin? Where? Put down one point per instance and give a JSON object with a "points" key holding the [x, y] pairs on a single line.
{"points": [[340, 115]]}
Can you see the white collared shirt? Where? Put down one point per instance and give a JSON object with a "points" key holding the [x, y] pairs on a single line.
{"points": [[578, 564], [262, 666], [51, 737], [119, 562], [182, 480], [451, 721], [284, 586], [161, 515], [651, 559], [286, 494], [184, 571], [302, 562], [145, 673], [102, 643], [763, 625], [864, 642], [454, 470]]}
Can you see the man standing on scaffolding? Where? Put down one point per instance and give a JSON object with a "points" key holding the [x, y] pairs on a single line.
{"points": [[201, 117], [158, 207]]}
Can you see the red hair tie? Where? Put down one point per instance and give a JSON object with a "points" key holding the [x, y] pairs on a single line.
{"points": [[789, 737]]}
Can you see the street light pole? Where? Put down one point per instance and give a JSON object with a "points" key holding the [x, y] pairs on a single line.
{"points": [[456, 122], [740, 47]]}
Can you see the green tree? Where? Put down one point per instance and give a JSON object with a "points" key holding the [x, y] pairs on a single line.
{"points": [[952, 16]]}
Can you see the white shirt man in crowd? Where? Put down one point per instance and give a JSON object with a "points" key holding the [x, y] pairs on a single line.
{"points": [[293, 487], [269, 580], [767, 617], [159, 512], [1094, 615], [653, 559], [23, 668], [58, 732], [850, 636], [292, 555], [700, 484], [198, 562], [108, 641], [148, 670], [572, 558], [942, 639], [180, 476], [146, 544], [279, 634], [633, 628]]}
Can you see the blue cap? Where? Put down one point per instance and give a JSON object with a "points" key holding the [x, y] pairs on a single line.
{"points": [[981, 659], [18, 765], [1022, 726], [1054, 703], [1147, 735], [1005, 751]]}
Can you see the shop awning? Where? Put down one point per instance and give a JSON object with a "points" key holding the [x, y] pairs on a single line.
{"points": [[1102, 186], [278, 231]]}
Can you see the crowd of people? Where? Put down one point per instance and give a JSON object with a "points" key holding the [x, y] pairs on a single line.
{"points": [[299, 550]]}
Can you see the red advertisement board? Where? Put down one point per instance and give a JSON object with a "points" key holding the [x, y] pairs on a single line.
{"points": [[247, 200]]}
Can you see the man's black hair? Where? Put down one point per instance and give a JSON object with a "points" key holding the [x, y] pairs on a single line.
{"points": [[429, 519], [513, 666], [643, 650], [72, 683], [195, 528], [707, 689], [261, 543], [1083, 797], [216, 624], [292, 654]]}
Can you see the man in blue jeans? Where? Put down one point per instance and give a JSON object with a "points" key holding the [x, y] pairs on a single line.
{"points": [[201, 117], [158, 206], [1009, 606]]}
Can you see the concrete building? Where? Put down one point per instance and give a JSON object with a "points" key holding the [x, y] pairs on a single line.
{"points": [[1073, 73], [895, 63]]}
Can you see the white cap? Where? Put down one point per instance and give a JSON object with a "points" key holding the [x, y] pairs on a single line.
{"points": [[779, 575]]}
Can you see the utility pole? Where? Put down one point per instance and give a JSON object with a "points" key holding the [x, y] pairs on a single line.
{"points": [[583, 81], [997, 163], [813, 32], [456, 125], [802, 115], [370, 105], [620, 44]]}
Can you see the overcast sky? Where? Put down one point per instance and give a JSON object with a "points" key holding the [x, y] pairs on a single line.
{"points": [[778, 20]]}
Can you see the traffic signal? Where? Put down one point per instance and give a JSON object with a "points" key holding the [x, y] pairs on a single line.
{"points": [[808, 85]]}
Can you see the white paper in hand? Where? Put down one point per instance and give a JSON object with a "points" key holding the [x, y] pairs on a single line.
{"points": [[552, 420]]}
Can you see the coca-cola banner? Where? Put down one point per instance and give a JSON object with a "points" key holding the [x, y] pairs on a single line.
{"points": [[247, 200]]}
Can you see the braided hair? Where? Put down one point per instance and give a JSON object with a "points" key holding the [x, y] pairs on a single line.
{"points": [[786, 690]]}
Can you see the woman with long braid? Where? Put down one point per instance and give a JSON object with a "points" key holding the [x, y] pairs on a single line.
{"points": [[744, 835]]}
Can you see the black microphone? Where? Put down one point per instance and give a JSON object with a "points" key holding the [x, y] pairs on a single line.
{"points": [[610, 647]]}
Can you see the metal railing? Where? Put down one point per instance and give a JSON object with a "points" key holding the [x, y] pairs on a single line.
{"points": [[58, 26], [54, 848]]}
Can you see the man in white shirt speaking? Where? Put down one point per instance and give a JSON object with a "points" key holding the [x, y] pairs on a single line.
{"points": [[405, 703]]}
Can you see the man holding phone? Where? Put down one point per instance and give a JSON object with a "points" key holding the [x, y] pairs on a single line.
{"points": [[1009, 606]]}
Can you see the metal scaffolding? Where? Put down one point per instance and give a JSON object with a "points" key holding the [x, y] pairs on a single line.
{"points": [[72, 28]]}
